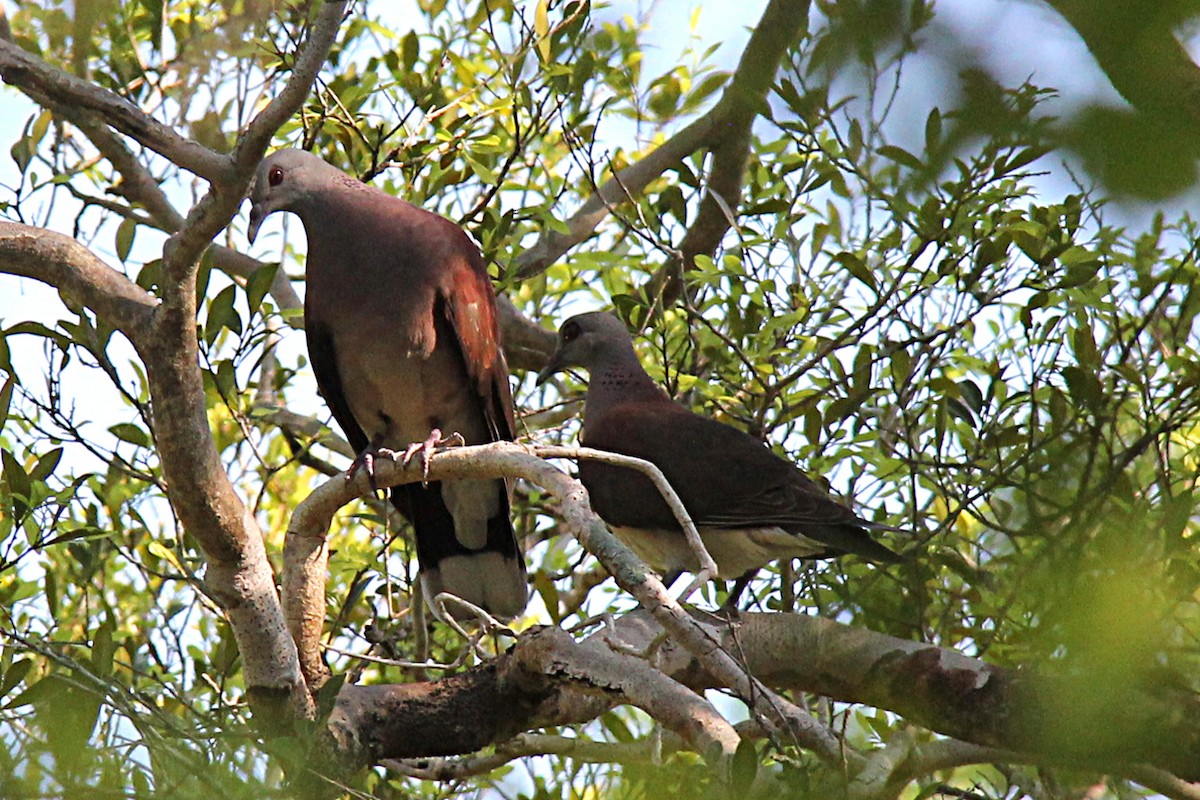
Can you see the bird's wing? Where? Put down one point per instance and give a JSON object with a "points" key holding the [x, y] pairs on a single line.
{"points": [[724, 476], [323, 357], [468, 302]]}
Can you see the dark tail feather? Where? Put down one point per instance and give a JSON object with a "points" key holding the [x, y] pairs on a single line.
{"points": [[856, 541], [492, 577]]}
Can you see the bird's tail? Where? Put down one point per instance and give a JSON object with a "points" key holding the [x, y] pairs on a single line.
{"points": [[854, 540], [491, 577]]}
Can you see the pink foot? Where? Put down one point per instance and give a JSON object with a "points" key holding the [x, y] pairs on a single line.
{"points": [[427, 449]]}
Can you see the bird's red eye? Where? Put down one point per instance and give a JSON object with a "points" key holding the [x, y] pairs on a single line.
{"points": [[275, 176]]}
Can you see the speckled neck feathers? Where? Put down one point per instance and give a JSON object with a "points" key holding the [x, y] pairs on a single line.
{"points": [[616, 376]]}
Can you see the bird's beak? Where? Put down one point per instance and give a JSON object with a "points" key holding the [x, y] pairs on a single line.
{"points": [[256, 218], [555, 365]]}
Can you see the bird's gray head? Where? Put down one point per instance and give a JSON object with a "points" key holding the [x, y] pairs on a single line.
{"points": [[588, 341], [284, 180]]}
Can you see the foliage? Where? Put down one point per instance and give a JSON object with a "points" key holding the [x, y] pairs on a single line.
{"points": [[1010, 377]]}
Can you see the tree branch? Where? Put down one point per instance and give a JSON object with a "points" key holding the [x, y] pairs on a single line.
{"points": [[630, 180], [253, 142], [80, 277], [527, 688], [82, 101], [306, 555], [527, 345], [724, 129], [968, 699], [743, 100]]}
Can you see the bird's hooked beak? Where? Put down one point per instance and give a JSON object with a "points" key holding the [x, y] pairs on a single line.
{"points": [[256, 218], [555, 365]]}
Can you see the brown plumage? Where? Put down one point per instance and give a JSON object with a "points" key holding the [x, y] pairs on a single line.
{"points": [[749, 505], [402, 334]]}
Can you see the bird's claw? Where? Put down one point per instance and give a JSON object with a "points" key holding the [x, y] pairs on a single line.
{"points": [[427, 449], [365, 461]]}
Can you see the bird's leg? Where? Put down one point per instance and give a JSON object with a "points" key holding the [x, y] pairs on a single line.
{"points": [[427, 448]]}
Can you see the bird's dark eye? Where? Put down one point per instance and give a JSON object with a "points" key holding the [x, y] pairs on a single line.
{"points": [[570, 332], [275, 176]]}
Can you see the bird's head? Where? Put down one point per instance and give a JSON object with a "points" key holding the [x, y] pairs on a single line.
{"points": [[283, 180], [587, 341]]}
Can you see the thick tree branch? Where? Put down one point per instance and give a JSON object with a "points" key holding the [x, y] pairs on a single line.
{"points": [[928, 685], [969, 699], [239, 574], [79, 275], [82, 102], [137, 184], [253, 142], [597, 667], [306, 554], [546, 679], [783, 22], [527, 345]]}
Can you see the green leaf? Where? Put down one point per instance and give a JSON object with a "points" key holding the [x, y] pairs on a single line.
{"points": [[933, 130], [410, 51], [46, 464], [900, 156], [221, 314], [1084, 386], [15, 673], [541, 28], [225, 378], [128, 432], [744, 768], [259, 284], [6, 393], [18, 485], [856, 267], [102, 649], [40, 692], [125, 233]]}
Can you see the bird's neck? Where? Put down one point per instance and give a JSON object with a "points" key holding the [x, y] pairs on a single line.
{"points": [[620, 379]]}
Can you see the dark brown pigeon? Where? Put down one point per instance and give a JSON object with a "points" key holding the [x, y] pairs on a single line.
{"points": [[403, 337], [749, 505]]}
